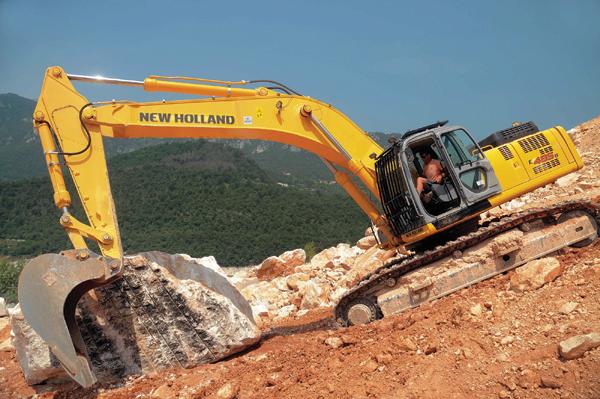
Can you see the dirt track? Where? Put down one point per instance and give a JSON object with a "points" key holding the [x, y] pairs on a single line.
{"points": [[445, 349]]}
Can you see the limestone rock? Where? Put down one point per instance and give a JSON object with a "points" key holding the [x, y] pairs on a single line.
{"points": [[366, 242], [568, 307], [228, 391], [576, 346], [243, 282], [311, 295], [535, 274], [3, 311], [406, 344], [476, 310], [282, 265], [334, 342], [341, 254], [37, 362], [270, 268], [364, 264], [550, 382], [528, 379], [294, 258], [267, 293], [295, 281], [286, 311], [164, 392], [6, 345], [167, 311], [567, 180]]}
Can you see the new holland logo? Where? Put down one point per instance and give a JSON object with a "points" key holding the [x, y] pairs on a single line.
{"points": [[201, 119]]}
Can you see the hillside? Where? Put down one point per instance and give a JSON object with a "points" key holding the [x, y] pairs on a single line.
{"points": [[197, 197]]}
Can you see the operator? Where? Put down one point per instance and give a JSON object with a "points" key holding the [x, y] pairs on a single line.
{"points": [[432, 172]]}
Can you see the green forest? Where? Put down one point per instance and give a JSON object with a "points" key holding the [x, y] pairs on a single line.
{"points": [[199, 198]]}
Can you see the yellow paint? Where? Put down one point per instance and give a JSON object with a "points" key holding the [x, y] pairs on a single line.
{"points": [[231, 113]]}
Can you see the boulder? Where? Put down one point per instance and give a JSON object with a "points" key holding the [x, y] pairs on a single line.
{"points": [[294, 258], [167, 311], [282, 265], [311, 295], [568, 307], [296, 280], [3, 310], [265, 292], [341, 254], [34, 356], [364, 264], [366, 242], [567, 180], [576, 346], [535, 274], [270, 268]]}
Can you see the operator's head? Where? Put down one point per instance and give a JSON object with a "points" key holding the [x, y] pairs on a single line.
{"points": [[426, 154]]}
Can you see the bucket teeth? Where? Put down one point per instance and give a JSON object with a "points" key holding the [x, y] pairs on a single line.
{"points": [[49, 288]]}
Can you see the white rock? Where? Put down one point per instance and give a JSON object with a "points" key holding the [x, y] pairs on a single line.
{"points": [[512, 205], [286, 311], [568, 307], [296, 281], [576, 346], [311, 293], [188, 302], [509, 339], [294, 258], [206, 261], [567, 180], [6, 345], [334, 342], [535, 274], [280, 283], [272, 267], [260, 310], [37, 362], [366, 242], [243, 282], [476, 310], [3, 310]]}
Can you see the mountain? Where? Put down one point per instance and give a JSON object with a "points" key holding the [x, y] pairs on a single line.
{"points": [[198, 197], [18, 143], [21, 155]]}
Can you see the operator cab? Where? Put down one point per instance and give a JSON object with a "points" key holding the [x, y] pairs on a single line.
{"points": [[466, 180]]}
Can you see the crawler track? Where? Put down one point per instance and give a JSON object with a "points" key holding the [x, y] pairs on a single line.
{"points": [[399, 267]]}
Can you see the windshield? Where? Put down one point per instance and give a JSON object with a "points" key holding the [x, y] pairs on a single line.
{"points": [[460, 147]]}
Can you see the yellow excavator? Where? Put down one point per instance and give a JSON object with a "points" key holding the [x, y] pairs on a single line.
{"points": [[424, 226]]}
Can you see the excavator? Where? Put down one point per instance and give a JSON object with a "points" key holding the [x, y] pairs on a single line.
{"points": [[424, 228]]}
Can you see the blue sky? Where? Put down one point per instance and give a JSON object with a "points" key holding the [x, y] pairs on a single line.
{"points": [[390, 66]]}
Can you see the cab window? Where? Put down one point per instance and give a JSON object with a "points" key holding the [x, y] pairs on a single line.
{"points": [[461, 148]]}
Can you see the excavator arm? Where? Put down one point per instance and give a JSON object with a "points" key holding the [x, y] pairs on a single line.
{"points": [[65, 117], [71, 131]]}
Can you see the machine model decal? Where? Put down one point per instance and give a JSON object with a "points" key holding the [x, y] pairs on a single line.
{"points": [[543, 158], [187, 118]]}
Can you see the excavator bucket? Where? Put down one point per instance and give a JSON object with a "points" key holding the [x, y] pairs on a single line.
{"points": [[49, 288]]}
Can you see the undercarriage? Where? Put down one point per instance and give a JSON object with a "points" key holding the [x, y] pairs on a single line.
{"points": [[495, 248]]}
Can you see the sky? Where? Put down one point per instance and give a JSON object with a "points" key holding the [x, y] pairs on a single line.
{"points": [[389, 65]]}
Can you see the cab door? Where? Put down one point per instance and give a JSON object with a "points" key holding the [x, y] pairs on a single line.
{"points": [[470, 168]]}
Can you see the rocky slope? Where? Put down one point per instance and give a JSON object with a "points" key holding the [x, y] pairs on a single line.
{"points": [[501, 338]]}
